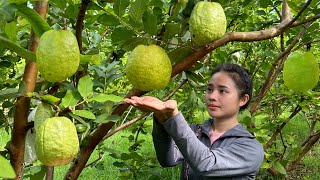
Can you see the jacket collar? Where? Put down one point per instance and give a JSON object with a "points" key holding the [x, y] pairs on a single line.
{"points": [[237, 131]]}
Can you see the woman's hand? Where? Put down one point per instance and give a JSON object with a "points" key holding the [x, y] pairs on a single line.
{"points": [[162, 110]]}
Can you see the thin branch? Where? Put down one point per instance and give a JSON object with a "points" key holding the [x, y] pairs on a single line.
{"points": [[284, 146], [298, 14], [306, 149], [93, 162], [308, 138], [50, 173], [313, 18], [119, 128], [79, 25], [279, 129]]}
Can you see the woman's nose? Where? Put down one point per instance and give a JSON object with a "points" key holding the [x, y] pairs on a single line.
{"points": [[213, 95]]}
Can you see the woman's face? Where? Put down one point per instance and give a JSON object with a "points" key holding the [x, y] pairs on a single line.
{"points": [[222, 97]]}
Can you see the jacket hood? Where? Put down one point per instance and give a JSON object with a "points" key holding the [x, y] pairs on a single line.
{"points": [[237, 131]]}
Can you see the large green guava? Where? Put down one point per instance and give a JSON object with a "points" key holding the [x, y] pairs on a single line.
{"points": [[148, 68], [58, 55], [301, 71], [207, 22], [56, 141]]}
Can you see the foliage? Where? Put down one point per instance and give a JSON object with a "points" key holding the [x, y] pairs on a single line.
{"points": [[110, 30]]}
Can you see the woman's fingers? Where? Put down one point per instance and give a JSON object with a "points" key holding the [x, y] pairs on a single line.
{"points": [[170, 104]]}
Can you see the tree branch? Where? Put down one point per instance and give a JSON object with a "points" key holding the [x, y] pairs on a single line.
{"points": [[286, 13], [79, 25], [306, 148], [279, 129]]}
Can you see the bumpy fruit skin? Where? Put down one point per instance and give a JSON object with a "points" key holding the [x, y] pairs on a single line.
{"points": [[207, 22], [148, 68], [56, 141], [58, 55], [301, 71]]}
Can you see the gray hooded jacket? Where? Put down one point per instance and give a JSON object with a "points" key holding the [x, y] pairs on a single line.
{"points": [[235, 155]]}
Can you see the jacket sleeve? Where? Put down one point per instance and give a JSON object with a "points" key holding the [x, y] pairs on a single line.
{"points": [[167, 151], [243, 156]]}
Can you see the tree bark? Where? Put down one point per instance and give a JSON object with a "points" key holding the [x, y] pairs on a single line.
{"points": [[20, 124]]}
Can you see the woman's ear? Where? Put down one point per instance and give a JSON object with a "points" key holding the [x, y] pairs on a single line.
{"points": [[244, 99]]}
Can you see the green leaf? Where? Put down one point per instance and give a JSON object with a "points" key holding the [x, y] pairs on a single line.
{"points": [[106, 97], [179, 54], [43, 112], [278, 166], [171, 30], [156, 3], [265, 3], [94, 59], [50, 99], [131, 43], [8, 93], [70, 99], [265, 165], [260, 12], [7, 12], [17, 49], [84, 113], [85, 86], [104, 118], [59, 3], [38, 24], [150, 23], [38, 172], [11, 30], [120, 35], [72, 11], [108, 20], [119, 164], [18, 1], [137, 9], [120, 7], [6, 169]]}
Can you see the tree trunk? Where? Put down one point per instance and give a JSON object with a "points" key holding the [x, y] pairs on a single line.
{"points": [[20, 124]]}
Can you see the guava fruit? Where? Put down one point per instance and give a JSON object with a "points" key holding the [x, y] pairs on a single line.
{"points": [[56, 141], [148, 68], [301, 71], [207, 22], [58, 55]]}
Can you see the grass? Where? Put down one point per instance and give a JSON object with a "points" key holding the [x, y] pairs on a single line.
{"points": [[309, 168]]}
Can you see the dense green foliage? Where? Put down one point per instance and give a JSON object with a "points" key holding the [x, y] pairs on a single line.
{"points": [[112, 28]]}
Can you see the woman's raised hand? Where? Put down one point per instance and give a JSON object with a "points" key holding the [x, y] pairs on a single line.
{"points": [[162, 110]]}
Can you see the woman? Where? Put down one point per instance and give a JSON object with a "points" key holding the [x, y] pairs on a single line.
{"points": [[220, 148]]}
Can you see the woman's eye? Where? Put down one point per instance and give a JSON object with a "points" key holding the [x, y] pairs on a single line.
{"points": [[209, 89], [223, 91]]}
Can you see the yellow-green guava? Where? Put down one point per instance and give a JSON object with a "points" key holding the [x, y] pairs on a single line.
{"points": [[58, 55], [148, 68], [207, 22], [56, 141], [301, 71]]}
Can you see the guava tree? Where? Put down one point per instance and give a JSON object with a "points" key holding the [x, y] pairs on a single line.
{"points": [[260, 36]]}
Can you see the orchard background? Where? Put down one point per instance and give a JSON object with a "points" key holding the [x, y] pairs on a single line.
{"points": [[260, 36]]}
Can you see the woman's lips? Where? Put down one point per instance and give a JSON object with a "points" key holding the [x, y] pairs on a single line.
{"points": [[213, 107]]}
